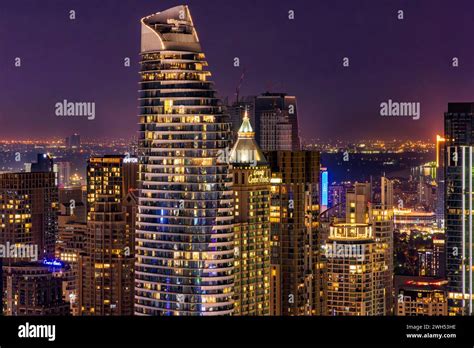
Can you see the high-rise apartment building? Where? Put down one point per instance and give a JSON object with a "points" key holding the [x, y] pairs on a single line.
{"points": [[185, 237], [382, 220], [459, 141], [28, 210], [276, 122], [111, 177], [28, 221], [69, 249], [459, 232], [354, 277], [251, 224], [106, 278], [72, 228], [368, 230], [296, 274]]}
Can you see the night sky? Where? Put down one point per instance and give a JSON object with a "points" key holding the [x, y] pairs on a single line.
{"points": [[82, 60]]}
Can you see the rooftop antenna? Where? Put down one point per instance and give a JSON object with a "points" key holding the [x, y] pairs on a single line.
{"points": [[237, 90]]}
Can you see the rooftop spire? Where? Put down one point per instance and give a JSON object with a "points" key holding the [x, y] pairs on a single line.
{"points": [[246, 130], [246, 150]]}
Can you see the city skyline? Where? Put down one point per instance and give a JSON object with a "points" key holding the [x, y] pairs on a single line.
{"points": [[212, 209], [78, 60]]}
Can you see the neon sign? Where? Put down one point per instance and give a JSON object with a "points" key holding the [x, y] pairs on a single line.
{"points": [[53, 263]]}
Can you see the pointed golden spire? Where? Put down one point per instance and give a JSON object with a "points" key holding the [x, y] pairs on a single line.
{"points": [[246, 130], [246, 114], [246, 150]]}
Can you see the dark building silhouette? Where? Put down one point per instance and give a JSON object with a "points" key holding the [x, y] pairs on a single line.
{"points": [[33, 289], [44, 163], [73, 141]]}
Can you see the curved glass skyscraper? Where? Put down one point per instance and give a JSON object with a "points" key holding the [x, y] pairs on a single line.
{"points": [[184, 237]]}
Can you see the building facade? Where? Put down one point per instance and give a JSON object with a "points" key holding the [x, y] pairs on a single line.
{"points": [[106, 279], [296, 260], [421, 296], [32, 289], [185, 240], [354, 277], [459, 141], [381, 219], [276, 122], [28, 210], [368, 228], [459, 232], [251, 224]]}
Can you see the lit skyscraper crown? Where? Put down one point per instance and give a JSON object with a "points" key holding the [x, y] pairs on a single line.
{"points": [[246, 130], [246, 149], [174, 29]]}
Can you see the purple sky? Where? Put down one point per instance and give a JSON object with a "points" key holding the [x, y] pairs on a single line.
{"points": [[82, 60]]}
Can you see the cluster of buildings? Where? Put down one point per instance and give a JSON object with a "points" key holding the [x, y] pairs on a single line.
{"points": [[218, 215]]}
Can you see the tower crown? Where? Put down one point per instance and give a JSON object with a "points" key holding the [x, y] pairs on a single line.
{"points": [[172, 29], [245, 130], [246, 149]]}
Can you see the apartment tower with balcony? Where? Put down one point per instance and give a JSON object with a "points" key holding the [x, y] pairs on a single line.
{"points": [[184, 229]]}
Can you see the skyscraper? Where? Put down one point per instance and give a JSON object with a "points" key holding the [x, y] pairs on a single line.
{"points": [[360, 282], [106, 276], [72, 228], [69, 249], [296, 274], [185, 244], [459, 177], [382, 220], [28, 210], [353, 275], [252, 225], [459, 232], [276, 122], [28, 220], [111, 177]]}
